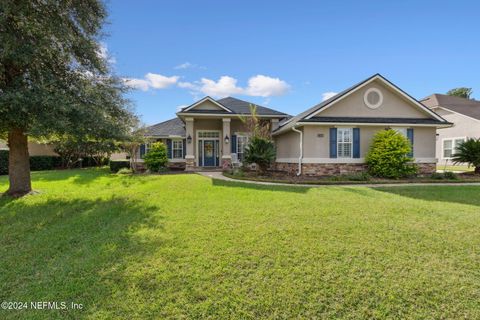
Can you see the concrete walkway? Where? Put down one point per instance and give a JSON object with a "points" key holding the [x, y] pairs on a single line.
{"points": [[220, 176]]}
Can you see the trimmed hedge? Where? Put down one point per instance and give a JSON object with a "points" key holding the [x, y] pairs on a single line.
{"points": [[39, 163], [116, 165]]}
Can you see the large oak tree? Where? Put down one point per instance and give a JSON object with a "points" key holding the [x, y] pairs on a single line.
{"points": [[54, 79]]}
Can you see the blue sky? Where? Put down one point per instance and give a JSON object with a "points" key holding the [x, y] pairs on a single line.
{"points": [[288, 54]]}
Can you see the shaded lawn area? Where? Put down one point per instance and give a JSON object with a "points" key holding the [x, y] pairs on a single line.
{"points": [[184, 246]]}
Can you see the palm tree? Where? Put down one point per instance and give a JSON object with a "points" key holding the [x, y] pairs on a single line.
{"points": [[468, 152]]}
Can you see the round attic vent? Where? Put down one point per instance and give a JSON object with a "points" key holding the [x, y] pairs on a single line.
{"points": [[373, 98]]}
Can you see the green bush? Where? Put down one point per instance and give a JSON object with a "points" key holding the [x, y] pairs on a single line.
{"points": [[388, 156], [116, 165], [3, 162], [447, 175], [469, 152], [156, 157], [260, 151]]}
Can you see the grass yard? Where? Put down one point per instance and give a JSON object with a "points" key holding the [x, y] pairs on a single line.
{"points": [[182, 246]]}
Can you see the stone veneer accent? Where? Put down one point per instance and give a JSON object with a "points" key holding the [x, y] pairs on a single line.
{"points": [[426, 168], [189, 164], [332, 169]]}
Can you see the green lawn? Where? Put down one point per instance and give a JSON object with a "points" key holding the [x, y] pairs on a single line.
{"points": [[182, 246]]}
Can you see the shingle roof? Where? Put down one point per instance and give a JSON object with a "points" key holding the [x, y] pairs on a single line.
{"points": [[243, 107], [172, 127], [374, 120], [464, 106]]}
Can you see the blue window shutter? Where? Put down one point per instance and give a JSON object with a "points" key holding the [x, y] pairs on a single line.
{"points": [[234, 143], [410, 138], [184, 148], [142, 150], [169, 148], [333, 142], [356, 142]]}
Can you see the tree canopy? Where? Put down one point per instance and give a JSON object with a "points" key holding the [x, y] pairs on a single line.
{"points": [[54, 79], [461, 92]]}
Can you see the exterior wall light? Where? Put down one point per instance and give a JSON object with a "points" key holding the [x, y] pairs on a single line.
{"points": [[189, 139], [227, 139]]}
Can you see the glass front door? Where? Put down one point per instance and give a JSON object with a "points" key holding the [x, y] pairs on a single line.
{"points": [[209, 153]]}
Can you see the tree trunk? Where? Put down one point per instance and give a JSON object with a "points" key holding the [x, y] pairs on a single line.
{"points": [[477, 170], [18, 163]]}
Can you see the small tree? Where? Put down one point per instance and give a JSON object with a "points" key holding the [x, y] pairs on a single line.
{"points": [[460, 92], [388, 155], [469, 152], [131, 145], [156, 157], [260, 151], [254, 125]]}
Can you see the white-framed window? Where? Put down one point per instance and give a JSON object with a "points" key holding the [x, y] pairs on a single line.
{"points": [[450, 146], [209, 134], [177, 149], [344, 142], [242, 143]]}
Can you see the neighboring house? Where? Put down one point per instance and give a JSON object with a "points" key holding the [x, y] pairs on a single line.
{"points": [[34, 148], [332, 137], [465, 116]]}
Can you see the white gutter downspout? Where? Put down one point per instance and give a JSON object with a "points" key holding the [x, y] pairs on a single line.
{"points": [[301, 151]]}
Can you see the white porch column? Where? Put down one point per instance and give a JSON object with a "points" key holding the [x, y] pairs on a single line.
{"points": [[226, 148], [190, 152]]}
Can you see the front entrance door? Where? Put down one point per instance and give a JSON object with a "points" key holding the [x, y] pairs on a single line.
{"points": [[209, 153]]}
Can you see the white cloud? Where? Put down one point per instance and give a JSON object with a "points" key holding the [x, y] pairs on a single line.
{"points": [[104, 54], [184, 65], [179, 108], [264, 86], [157, 81], [328, 95], [188, 65], [224, 87], [138, 84], [258, 86], [186, 85], [151, 81]]}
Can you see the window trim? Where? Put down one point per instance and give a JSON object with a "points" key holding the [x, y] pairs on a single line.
{"points": [[453, 139], [242, 135], [351, 142], [181, 148]]}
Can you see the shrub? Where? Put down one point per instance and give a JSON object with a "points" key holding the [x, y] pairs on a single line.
{"points": [[388, 156], [449, 175], [116, 165], [125, 171], [3, 162], [156, 157], [468, 152], [260, 151], [38, 163]]}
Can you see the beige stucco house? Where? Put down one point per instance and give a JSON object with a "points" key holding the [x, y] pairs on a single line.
{"points": [[332, 137], [465, 116]]}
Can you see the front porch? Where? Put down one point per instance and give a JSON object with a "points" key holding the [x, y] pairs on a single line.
{"points": [[212, 143]]}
